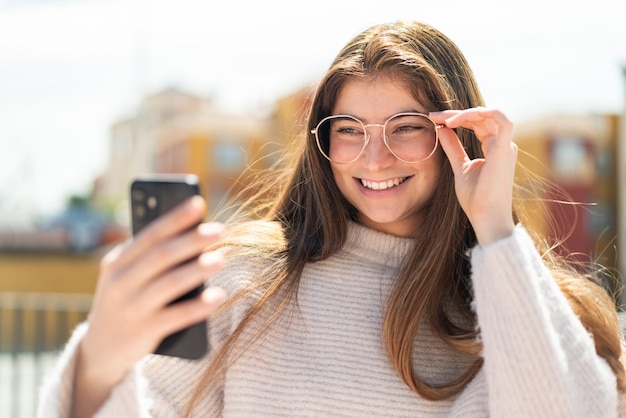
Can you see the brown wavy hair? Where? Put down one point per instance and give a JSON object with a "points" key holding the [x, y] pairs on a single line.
{"points": [[310, 217]]}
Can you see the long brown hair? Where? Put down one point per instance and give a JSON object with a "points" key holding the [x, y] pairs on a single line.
{"points": [[308, 218]]}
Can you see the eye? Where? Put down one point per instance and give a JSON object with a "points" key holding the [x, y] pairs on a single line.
{"points": [[409, 125], [347, 130], [347, 127], [405, 129]]}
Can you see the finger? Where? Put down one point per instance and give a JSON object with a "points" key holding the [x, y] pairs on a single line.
{"points": [[181, 280], [442, 116], [186, 313], [490, 126], [171, 253], [453, 148], [182, 217], [486, 123], [495, 131]]}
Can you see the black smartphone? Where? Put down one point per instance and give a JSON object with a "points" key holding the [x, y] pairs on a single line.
{"points": [[150, 197]]}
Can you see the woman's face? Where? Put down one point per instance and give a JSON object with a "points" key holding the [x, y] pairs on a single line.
{"points": [[388, 194]]}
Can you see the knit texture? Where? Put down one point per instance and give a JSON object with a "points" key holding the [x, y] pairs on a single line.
{"points": [[325, 356]]}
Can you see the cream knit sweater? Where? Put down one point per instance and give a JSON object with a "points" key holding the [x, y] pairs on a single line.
{"points": [[325, 358]]}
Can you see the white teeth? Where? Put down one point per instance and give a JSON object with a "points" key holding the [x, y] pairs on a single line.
{"points": [[375, 185]]}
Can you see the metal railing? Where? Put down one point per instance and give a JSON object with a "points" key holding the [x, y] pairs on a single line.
{"points": [[34, 327]]}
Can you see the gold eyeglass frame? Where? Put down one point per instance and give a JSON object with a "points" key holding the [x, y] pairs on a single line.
{"points": [[367, 136]]}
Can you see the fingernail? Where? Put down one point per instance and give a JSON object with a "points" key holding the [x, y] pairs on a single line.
{"points": [[214, 295], [195, 201], [211, 228], [211, 258]]}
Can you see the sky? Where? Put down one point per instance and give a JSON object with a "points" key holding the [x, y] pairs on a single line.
{"points": [[69, 69]]}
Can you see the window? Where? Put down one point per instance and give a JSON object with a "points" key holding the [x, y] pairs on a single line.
{"points": [[229, 156], [571, 159]]}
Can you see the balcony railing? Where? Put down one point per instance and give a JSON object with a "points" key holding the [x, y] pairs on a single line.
{"points": [[33, 329]]}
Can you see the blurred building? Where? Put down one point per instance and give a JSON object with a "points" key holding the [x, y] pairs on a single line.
{"points": [[133, 143], [178, 132], [172, 132], [578, 155]]}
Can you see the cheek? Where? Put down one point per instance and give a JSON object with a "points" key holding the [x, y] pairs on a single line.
{"points": [[432, 173], [339, 174], [343, 180]]}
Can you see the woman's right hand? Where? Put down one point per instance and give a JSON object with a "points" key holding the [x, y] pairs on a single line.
{"points": [[131, 313]]}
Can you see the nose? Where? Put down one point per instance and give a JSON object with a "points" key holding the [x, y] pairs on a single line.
{"points": [[376, 155]]}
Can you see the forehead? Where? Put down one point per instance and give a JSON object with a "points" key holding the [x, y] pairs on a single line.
{"points": [[374, 99]]}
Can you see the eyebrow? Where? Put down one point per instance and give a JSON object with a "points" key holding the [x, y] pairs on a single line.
{"points": [[424, 112]]}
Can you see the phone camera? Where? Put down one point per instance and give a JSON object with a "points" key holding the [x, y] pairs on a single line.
{"points": [[140, 211], [138, 195]]}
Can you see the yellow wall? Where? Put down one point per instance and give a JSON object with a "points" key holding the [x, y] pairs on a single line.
{"points": [[532, 164], [48, 272]]}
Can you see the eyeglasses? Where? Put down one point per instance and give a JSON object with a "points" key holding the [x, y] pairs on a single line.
{"points": [[411, 137]]}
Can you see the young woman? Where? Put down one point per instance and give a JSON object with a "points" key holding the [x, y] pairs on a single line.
{"points": [[385, 272]]}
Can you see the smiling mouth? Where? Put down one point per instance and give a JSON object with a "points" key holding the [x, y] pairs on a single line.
{"points": [[383, 185]]}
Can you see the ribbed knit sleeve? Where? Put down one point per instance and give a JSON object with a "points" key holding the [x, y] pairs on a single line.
{"points": [[539, 359]]}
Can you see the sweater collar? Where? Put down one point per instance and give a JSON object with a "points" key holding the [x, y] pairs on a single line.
{"points": [[370, 244]]}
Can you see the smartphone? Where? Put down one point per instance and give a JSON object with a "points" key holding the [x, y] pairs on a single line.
{"points": [[150, 197]]}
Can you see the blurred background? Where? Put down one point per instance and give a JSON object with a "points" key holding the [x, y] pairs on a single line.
{"points": [[96, 92]]}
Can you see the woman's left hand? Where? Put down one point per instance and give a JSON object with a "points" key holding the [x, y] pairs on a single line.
{"points": [[484, 186]]}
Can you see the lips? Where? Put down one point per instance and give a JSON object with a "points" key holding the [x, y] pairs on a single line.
{"points": [[383, 185]]}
